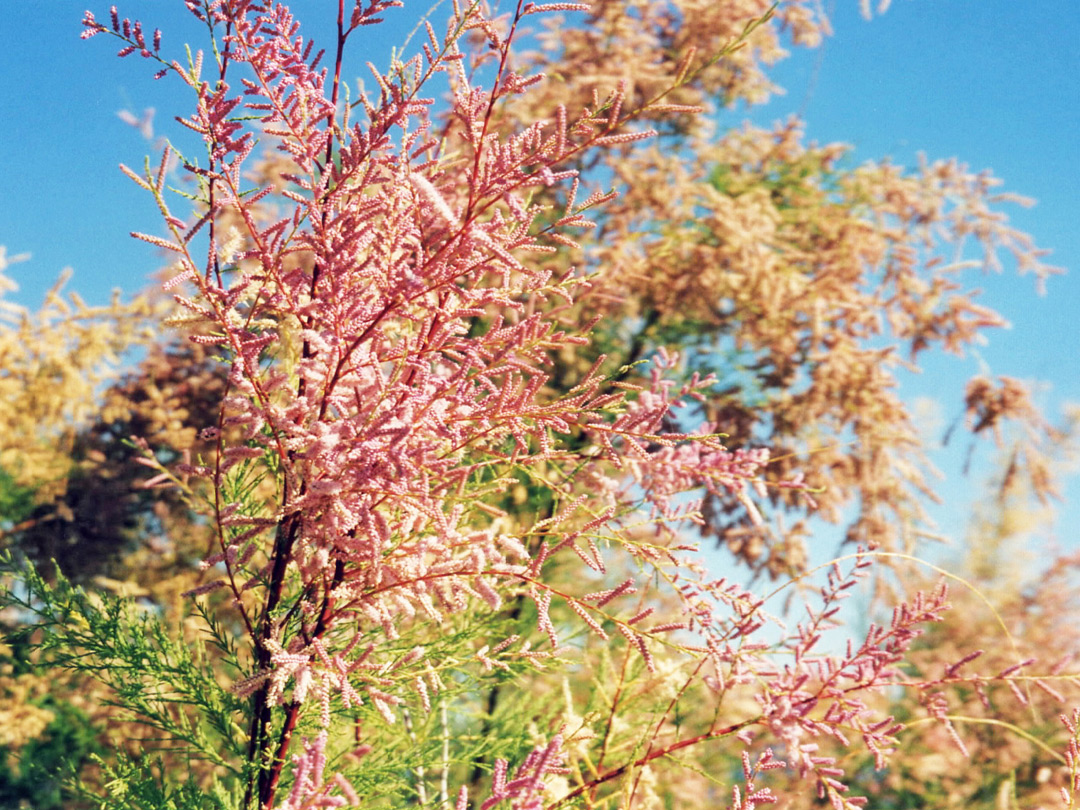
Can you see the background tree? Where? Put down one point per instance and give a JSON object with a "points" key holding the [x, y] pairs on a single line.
{"points": [[55, 361], [803, 281]]}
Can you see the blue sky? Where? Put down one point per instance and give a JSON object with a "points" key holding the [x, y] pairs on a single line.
{"points": [[995, 83]]}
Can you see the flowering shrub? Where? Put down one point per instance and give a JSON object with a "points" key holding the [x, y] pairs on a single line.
{"points": [[421, 541]]}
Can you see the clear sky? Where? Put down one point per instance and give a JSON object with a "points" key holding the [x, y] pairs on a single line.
{"points": [[995, 83]]}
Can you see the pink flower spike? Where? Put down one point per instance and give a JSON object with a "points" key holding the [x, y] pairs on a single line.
{"points": [[542, 8], [951, 671]]}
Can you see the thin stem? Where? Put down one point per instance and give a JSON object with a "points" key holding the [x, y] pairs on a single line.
{"points": [[614, 773], [262, 711], [269, 787]]}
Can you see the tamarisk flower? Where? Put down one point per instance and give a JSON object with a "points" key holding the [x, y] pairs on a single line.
{"points": [[665, 464], [818, 695], [526, 790], [754, 795], [309, 790], [388, 351], [1072, 758]]}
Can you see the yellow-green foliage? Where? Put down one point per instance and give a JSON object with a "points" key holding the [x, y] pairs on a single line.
{"points": [[54, 361]]}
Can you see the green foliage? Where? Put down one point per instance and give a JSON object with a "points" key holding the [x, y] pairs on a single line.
{"points": [[137, 783], [159, 679], [39, 774], [16, 500], [168, 684]]}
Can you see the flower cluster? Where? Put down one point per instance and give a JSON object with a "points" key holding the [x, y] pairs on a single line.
{"points": [[387, 345]]}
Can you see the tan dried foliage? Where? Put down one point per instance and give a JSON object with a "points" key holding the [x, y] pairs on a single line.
{"points": [[67, 411], [645, 43], [55, 360], [806, 282], [21, 719]]}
